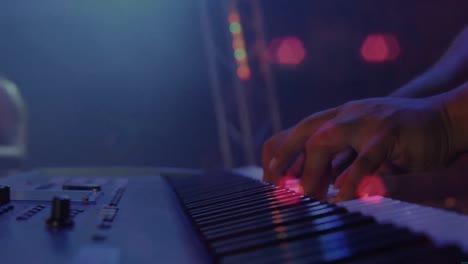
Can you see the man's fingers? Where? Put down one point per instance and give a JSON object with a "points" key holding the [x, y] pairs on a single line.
{"points": [[339, 181], [340, 162], [266, 157], [268, 151], [320, 150], [316, 164], [297, 167], [295, 141], [366, 164]]}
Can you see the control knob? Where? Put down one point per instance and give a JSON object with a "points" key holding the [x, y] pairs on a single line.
{"points": [[60, 213], [4, 194]]}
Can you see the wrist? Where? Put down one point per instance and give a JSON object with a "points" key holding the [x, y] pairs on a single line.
{"points": [[455, 115], [435, 81]]}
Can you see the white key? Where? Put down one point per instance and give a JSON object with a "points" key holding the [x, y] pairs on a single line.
{"points": [[443, 227]]}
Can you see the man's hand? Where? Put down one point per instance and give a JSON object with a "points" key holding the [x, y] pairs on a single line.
{"points": [[408, 134]]}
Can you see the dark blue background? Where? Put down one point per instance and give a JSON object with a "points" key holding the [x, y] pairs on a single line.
{"points": [[109, 82], [124, 82]]}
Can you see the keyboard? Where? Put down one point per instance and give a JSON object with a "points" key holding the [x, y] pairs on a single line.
{"points": [[132, 215], [242, 220]]}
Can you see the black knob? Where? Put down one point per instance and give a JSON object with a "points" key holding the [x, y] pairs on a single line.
{"points": [[4, 194], [60, 213]]}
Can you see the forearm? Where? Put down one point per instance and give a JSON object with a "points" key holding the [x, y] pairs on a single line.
{"points": [[430, 83], [449, 72]]}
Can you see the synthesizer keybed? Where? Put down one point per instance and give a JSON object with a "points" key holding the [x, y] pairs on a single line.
{"points": [[153, 216], [241, 220]]}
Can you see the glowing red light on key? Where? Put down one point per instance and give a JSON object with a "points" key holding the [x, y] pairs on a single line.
{"points": [[280, 232], [286, 51], [371, 186], [280, 228], [378, 48], [292, 183]]}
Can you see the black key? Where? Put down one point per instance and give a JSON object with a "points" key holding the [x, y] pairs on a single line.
{"points": [[284, 230], [200, 198], [246, 199], [339, 239], [201, 181], [200, 192], [250, 242], [259, 220], [271, 215], [201, 187], [400, 239], [233, 211], [246, 202], [239, 214], [198, 188], [230, 197], [187, 183], [311, 213]]}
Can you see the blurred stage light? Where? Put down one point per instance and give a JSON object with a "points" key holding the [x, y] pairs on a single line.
{"points": [[235, 28], [239, 47], [238, 44], [240, 54], [243, 72], [233, 18], [291, 51], [378, 48], [286, 51]]}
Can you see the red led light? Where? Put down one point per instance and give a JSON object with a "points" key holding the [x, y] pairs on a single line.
{"points": [[371, 186], [292, 183], [286, 51], [378, 48]]}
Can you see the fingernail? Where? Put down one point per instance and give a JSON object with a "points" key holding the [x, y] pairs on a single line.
{"points": [[272, 165]]}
